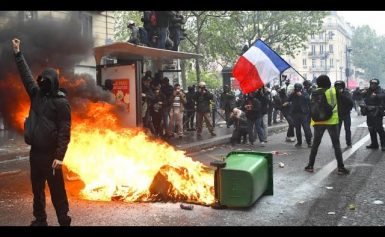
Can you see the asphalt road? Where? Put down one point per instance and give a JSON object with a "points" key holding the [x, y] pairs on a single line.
{"points": [[300, 198]]}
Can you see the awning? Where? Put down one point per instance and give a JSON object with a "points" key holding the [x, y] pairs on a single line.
{"points": [[124, 50]]}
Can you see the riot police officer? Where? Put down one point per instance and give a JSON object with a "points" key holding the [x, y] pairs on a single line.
{"points": [[374, 110]]}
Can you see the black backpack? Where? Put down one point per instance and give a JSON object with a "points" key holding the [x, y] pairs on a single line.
{"points": [[320, 109]]}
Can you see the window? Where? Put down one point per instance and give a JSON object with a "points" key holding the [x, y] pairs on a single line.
{"points": [[313, 63], [331, 62], [305, 75], [330, 48], [321, 49], [321, 35], [86, 25], [313, 49], [331, 34], [322, 63], [304, 62]]}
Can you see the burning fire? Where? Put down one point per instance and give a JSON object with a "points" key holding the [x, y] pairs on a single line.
{"points": [[126, 164], [12, 93]]}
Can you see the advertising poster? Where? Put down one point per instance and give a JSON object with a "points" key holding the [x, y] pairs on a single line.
{"points": [[121, 91]]}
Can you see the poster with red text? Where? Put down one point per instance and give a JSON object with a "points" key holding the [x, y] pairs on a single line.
{"points": [[121, 91]]}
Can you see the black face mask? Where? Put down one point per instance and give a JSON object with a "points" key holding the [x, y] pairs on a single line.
{"points": [[44, 84]]}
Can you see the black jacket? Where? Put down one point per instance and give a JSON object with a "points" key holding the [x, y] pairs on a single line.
{"points": [[345, 103], [203, 101], [300, 104], [253, 112], [52, 106], [375, 102]]}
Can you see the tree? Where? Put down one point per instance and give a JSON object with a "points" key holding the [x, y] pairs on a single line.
{"points": [[121, 18], [197, 25], [220, 36], [284, 31], [212, 79], [365, 47]]}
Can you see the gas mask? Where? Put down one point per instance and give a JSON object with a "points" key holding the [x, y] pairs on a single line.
{"points": [[44, 85]]}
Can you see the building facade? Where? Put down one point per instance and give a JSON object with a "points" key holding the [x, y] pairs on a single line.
{"points": [[328, 52]]}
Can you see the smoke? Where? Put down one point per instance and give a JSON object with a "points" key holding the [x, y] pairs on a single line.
{"points": [[45, 43]]}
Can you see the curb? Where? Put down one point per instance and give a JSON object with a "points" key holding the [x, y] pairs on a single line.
{"points": [[198, 146]]}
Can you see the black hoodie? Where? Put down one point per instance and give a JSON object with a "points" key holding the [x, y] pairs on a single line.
{"points": [[53, 111]]}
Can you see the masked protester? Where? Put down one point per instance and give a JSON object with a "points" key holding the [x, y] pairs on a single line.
{"points": [[47, 130], [345, 105], [327, 92], [227, 101], [300, 108], [203, 98], [374, 110]]}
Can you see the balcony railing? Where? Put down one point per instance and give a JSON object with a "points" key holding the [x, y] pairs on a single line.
{"points": [[319, 55]]}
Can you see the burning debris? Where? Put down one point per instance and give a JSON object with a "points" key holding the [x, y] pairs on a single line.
{"points": [[113, 162]]}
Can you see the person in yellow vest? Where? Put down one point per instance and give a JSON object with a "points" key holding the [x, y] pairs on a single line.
{"points": [[330, 124]]}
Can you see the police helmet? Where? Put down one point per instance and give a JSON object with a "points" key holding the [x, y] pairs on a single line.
{"points": [[297, 86], [340, 84]]}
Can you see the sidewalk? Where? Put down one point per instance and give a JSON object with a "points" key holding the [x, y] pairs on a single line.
{"points": [[12, 145], [191, 143]]}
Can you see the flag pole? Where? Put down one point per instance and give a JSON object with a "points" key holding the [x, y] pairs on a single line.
{"points": [[297, 72], [280, 58]]}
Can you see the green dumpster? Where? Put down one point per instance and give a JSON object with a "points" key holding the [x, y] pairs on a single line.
{"points": [[243, 177]]}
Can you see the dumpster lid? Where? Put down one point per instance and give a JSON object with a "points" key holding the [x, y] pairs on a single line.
{"points": [[125, 50]]}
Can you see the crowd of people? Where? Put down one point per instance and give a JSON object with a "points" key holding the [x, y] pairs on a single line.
{"points": [[169, 112]]}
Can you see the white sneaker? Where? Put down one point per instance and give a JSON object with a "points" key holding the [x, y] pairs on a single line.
{"points": [[263, 144]]}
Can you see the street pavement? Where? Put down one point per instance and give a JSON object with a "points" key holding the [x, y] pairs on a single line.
{"points": [[322, 198]]}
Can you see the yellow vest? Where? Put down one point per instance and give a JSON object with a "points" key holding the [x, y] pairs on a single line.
{"points": [[334, 119]]}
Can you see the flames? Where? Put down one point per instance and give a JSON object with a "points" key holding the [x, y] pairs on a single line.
{"points": [[15, 101], [125, 164]]}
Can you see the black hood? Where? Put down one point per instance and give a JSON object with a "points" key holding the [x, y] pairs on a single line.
{"points": [[53, 76], [323, 81]]}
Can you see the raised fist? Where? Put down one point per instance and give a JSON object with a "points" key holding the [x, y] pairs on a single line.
{"points": [[16, 45]]}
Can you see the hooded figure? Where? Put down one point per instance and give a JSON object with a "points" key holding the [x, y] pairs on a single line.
{"points": [[47, 130], [323, 81]]}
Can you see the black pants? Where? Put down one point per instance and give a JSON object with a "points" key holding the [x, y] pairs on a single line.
{"points": [[290, 121], [347, 121], [375, 126], [269, 115], [300, 120], [190, 118], [333, 133], [157, 122], [41, 172], [238, 135]]}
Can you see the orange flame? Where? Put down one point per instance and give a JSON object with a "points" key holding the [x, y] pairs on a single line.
{"points": [[112, 161], [15, 100], [118, 162]]}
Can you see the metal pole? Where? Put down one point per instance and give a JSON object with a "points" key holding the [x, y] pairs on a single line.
{"points": [[347, 67], [326, 45], [298, 72]]}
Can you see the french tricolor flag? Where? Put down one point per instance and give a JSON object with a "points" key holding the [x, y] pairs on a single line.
{"points": [[258, 66]]}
